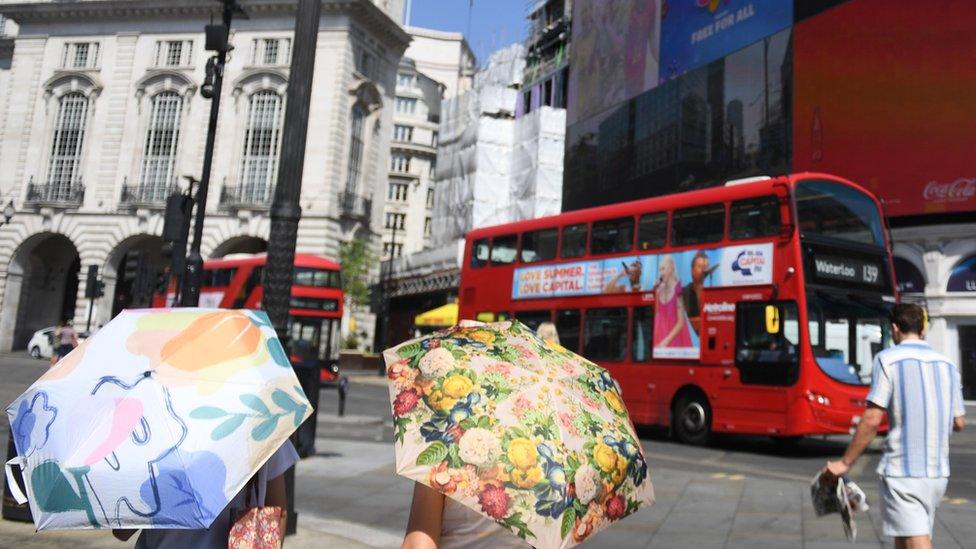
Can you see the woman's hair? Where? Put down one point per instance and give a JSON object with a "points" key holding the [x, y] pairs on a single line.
{"points": [[547, 331]]}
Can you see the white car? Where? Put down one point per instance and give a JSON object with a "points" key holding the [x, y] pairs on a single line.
{"points": [[41, 344]]}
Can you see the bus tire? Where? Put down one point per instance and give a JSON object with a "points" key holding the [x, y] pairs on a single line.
{"points": [[691, 419]]}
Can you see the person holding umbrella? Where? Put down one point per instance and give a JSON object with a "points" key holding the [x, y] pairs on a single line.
{"points": [[511, 440]]}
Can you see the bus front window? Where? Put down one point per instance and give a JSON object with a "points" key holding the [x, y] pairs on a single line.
{"points": [[845, 335]]}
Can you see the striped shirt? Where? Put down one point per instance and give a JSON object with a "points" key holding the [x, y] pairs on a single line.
{"points": [[922, 392]]}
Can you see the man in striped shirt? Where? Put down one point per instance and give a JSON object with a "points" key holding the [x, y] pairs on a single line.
{"points": [[922, 393]]}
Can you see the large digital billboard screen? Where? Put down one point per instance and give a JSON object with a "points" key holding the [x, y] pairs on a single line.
{"points": [[884, 96], [614, 55], [697, 32]]}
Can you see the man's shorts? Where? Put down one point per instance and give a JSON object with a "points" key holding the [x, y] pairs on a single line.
{"points": [[908, 505]]}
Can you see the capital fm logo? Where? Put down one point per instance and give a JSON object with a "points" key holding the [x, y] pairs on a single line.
{"points": [[712, 5], [749, 262]]}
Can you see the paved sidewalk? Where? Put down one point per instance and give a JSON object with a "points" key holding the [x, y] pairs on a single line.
{"points": [[348, 496]]}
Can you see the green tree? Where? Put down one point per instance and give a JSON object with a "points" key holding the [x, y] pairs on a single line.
{"points": [[357, 259]]}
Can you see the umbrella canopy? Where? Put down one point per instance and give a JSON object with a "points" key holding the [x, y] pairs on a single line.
{"points": [[519, 429], [157, 421], [439, 317]]}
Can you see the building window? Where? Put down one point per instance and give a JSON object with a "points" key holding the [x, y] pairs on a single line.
{"points": [[395, 220], [262, 137], [406, 105], [402, 133], [426, 227], [400, 163], [355, 148], [430, 198], [270, 51], [390, 248], [433, 139], [69, 135], [433, 168], [80, 55], [364, 64], [3, 25], [398, 192], [405, 80], [159, 157], [173, 53]]}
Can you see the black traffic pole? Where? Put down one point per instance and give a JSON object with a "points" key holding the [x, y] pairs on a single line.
{"points": [[386, 278], [217, 39], [285, 208]]}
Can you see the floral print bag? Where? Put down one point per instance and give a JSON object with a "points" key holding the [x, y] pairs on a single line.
{"points": [[255, 527]]}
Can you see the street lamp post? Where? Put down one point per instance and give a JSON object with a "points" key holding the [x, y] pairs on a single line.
{"points": [[190, 295], [285, 209]]}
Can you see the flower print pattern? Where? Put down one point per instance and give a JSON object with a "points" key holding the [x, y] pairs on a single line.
{"points": [[528, 433]]}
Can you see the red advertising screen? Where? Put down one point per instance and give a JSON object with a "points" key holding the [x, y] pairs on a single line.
{"points": [[884, 95]]}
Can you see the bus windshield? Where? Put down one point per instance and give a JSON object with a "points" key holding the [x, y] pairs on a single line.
{"points": [[845, 334], [826, 208]]}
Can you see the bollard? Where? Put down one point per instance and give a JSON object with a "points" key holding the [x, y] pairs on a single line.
{"points": [[343, 384]]}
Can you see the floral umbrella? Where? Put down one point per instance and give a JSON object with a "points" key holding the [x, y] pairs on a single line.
{"points": [[156, 421], [522, 430]]}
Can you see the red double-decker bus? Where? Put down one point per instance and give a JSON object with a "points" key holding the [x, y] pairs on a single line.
{"points": [[755, 307], [315, 311]]}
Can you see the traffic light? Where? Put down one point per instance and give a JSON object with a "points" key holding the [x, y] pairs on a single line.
{"points": [[94, 288], [176, 230]]}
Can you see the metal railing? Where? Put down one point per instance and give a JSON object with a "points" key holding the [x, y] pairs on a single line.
{"points": [[69, 194], [147, 195], [355, 206], [245, 196]]}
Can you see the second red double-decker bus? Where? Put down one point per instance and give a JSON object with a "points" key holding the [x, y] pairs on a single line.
{"points": [[754, 307], [315, 310]]}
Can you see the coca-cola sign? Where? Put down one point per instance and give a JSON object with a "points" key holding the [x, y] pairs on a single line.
{"points": [[959, 190]]}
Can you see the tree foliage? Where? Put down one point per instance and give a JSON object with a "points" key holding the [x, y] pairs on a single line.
{"points": [[357, 259]]}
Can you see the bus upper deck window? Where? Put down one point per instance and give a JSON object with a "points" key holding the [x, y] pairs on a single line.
{"points": [[503, 249], [539, 245], [754, 218], [574, 241], [479, 253], [612, 235], [652, 231], [698, 225]]}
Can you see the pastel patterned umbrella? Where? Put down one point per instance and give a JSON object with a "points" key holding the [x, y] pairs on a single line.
{"points": [[156, 421], [521, 430]]}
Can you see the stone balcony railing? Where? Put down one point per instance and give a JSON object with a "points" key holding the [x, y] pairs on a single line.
{"points": [[69, 194]]}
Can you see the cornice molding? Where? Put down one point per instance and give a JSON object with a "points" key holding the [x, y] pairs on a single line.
{"points": [[364, 12]]}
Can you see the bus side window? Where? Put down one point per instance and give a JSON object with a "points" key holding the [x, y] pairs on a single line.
{"points": [[568, 328], [574, 241], [642, 336], [253, 280], [605, 334], [479, 253], [754, 218], [503, 249], [652, 231], [767, 353], [539, 245], [532, 319], [612, 235], [699, 225]]}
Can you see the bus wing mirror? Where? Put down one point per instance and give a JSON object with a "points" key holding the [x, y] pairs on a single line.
{"points": [[772, 319]]}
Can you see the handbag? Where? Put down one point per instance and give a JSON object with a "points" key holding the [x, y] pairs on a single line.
{"points": [[255, 527]]}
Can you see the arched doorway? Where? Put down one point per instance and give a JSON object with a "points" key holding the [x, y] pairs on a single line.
{"points": [[134, 267], [41, 289], [241, 245]]}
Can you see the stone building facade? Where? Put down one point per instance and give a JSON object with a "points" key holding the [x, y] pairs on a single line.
{"points": [[102, 117]]}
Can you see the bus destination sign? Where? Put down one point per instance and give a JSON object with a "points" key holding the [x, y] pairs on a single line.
{"points": [[845, 269]]}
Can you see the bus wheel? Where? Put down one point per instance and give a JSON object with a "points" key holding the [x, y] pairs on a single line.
{"points": [[692, 419]]}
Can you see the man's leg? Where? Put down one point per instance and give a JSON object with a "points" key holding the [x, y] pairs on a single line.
{"points": [[913, 542]]}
